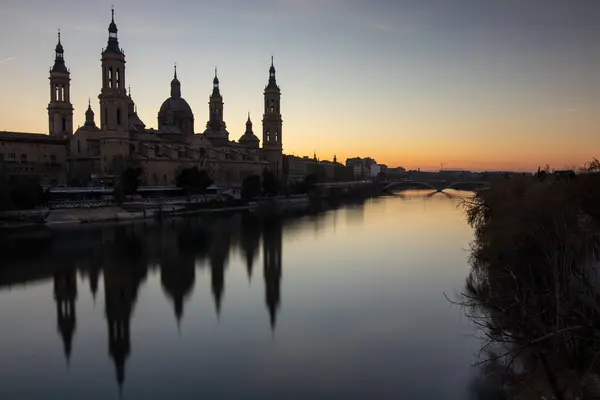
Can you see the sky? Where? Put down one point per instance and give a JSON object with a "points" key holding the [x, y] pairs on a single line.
{"points": [[473, 84]]}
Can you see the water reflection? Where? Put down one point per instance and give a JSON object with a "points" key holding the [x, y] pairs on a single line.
{"points": [[124, 254], [65, 294], [362, 286]]}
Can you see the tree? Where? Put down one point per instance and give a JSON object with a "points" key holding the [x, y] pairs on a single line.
{"points": [[26, 192], [193, 180], [251, 187], [5, 194], [130, 180], [119, 193], [271, 185], [591, 166]]}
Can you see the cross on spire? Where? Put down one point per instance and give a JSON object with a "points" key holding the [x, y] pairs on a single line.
{"points": [[175, 70], [58, 35], [112, 10]]}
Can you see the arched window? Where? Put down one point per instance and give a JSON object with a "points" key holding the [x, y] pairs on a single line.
{"points": [[62, 92], [56, 93], [118, 116], [268, 136], [118, 78], [110, 77], [78, 146], [64, 124]]}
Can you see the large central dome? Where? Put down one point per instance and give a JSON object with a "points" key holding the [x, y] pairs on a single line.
{"points": [[179, 107], [175, 111]]}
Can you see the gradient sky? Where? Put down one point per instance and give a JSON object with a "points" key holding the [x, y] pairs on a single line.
{"points": [[477, 84]]}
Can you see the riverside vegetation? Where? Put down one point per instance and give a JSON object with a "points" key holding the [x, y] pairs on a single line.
{"points": [[534, 287]]}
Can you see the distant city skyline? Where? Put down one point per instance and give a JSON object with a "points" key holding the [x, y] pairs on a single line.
{"points": [[500, 85]]}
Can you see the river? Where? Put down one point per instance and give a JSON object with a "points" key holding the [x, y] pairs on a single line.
{"points": [[347, 303]]}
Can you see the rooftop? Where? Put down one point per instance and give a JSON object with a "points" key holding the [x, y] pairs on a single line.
{"points": [[29, 137]]}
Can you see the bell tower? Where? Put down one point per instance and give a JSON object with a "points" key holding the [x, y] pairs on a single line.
{"points": [[272, 122], [114, 102], [60, 109], [215, 106]]}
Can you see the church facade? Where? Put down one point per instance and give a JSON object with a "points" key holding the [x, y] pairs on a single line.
{"points": [[97, 151]]}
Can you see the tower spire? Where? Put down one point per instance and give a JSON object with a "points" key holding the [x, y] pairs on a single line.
{"points": [[216, 92], [113, 42], [272, 81], [175, 84], [59, 59], [89, 115]]}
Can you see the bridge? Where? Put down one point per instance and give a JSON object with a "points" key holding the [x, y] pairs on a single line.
{"points": [[438, 186]]}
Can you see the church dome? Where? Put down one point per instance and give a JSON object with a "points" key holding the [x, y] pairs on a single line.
{"points": [[179, 107], [249, 139], [176, 111]]}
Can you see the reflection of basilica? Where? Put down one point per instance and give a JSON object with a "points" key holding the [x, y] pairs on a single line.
{"points": [[121, 257]]}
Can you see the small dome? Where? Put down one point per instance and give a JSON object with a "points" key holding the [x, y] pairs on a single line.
{"points": [[249, 138]]}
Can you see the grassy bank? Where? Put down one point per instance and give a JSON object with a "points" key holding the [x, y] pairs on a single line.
{"points": [[534, 286]]}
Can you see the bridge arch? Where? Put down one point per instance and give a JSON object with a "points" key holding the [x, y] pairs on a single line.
{"points": [[438, 186], [423, 185]]}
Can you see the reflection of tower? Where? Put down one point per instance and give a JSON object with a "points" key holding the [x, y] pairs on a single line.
{"points": [[219, 254], [120, 291], [65, 293], [250, 241], [177, 277], [272, 244], [93, 276]]}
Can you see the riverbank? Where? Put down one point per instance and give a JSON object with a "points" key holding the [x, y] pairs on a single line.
{"points": [[136, 210], [534, 285]]}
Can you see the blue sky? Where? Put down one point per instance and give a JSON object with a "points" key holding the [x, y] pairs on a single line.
{"points": [[496, 84]]}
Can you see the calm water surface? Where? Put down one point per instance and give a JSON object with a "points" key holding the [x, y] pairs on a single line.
{"points": [[345, 304]]}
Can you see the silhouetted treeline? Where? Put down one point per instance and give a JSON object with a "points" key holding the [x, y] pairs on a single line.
{"points": [[533, 287]]}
